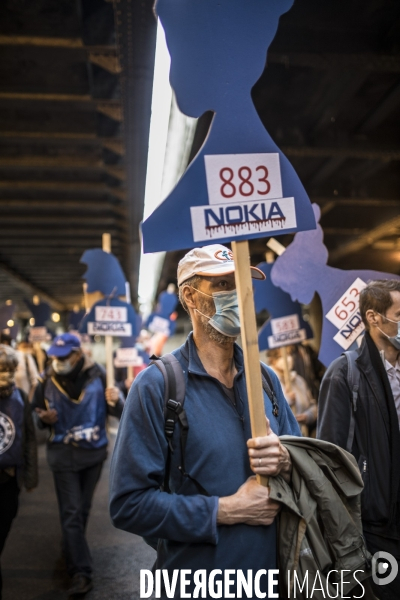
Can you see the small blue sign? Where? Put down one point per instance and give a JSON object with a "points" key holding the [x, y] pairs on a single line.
{"points": [[41, 312], [74, 319], [160, 320], [285, 325], [104, 273], [6, 315], [111, 316]]}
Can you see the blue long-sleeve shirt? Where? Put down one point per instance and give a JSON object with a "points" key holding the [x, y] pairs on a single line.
{"points": [[216, 456]]}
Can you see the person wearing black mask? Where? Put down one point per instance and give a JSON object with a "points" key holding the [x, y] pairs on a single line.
{"points": [[370, 429], [73, 401], [18, 454]]}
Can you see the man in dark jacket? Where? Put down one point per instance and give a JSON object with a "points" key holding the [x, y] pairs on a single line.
{"points": [[18, 455], [72, 400], [376, 444]]}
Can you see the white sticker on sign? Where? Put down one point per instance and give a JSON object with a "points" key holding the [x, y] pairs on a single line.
{"points": [[233, 220], [350, 332], [111, 314], [38, 334], [235, 178], [285, 331], [287, 338], [345, 315], [127, 357], [284, 324], [160, 325], [113, 329]]}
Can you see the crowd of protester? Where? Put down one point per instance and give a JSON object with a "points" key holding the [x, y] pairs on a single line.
{"points": [[370, 430]]}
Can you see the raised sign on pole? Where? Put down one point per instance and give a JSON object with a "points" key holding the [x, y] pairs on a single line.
{"points": [[285, 325], [240, 186], [302, 271]]}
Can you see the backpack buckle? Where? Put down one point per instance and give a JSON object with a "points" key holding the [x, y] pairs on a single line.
{"points": [[173, 405], [169, 427]]}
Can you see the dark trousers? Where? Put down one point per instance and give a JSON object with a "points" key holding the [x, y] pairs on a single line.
{"points": [[375, 544], [9, 492], [74, 494]]}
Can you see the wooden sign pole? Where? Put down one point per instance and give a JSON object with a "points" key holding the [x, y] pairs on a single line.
{"points": [[108, 338], [251, 353], [39, 356], [286, 372]]}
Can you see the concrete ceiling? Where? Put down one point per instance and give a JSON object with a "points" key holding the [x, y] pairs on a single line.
{"points": [[75, 98]]}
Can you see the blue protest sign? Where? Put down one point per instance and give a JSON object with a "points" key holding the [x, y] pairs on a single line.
{"points": [[104, 273], [286, 324], [167, 303], [7, 324], [240, 186], [130, 342], [161, 320], [111, 316], [302, 270], [40, 312], [74, 319], [6, 314]]}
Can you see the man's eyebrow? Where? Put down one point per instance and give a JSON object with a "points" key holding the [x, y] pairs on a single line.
{"points": [[219, 278]]}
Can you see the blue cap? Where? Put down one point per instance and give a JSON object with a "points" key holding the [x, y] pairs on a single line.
{"points": [[63, 345]]}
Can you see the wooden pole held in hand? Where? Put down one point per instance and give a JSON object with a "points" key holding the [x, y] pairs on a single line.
{"points": [[249, 334], [108, 338]]}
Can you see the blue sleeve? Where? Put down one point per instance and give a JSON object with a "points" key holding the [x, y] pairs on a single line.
{"points": [[137, 471], [287, 421]]}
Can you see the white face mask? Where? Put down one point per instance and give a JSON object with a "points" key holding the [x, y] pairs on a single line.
{"points": [[62, 367], [226, 319], [395, 339]]}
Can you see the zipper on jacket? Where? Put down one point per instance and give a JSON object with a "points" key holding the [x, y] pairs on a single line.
{"points": [[364, 466]]}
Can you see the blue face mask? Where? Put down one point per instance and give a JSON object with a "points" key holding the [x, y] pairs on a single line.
{"points": [[394, 340], [226, 319]]}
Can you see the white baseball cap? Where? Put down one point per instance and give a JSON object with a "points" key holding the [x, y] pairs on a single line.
{"points": [[212, 261]]}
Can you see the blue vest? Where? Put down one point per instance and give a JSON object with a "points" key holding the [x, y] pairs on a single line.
{"points": [[82, 421], [11, 430]]}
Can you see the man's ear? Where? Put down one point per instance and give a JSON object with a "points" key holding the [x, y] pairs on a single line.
{"points": [[370, 315], [187, 293]]}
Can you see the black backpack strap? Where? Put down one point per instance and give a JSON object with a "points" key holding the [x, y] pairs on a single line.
{"points": [[174, 412], [353, 379], [174, 396], [269, 389]]}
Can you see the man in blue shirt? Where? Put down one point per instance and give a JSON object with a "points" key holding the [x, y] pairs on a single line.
{"points": [[233, 527]]}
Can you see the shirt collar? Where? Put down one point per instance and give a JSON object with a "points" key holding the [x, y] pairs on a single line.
{"points": [[196, 366], [389, 367]]}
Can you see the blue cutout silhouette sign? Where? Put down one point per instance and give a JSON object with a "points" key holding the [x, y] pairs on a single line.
{"points": [[41, 312], [74, 319], [6, 315], [240, 186], [110, 316], [160, 320], [104, 273], [286, 324], [130, 342], [302, 270]]}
